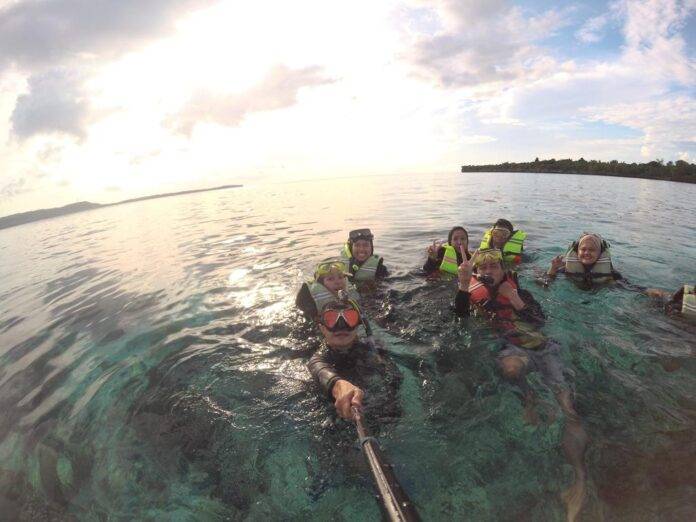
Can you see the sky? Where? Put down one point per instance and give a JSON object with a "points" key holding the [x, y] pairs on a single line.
{"points": [[104, 100]]}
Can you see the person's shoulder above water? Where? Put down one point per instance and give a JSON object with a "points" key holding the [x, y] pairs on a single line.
{"points": [[330, 277], [446, 257], [358, 252], [587, 260], [503, 236], [682, 301]]}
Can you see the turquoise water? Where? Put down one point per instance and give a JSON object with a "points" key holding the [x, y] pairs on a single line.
{"points": [[152, 364]]}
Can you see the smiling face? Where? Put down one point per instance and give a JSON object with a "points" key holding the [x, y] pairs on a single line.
{"points": [[499, 237], [460, 241], [361, 250], [334, 281], [493, 269], [588, 251]]}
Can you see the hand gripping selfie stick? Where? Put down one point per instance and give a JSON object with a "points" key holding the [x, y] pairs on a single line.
{"points": [[396, 504]]}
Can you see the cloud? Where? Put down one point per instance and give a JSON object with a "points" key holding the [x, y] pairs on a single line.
{"points": [[277, 90], [477, 139], [484, 41], [14, 188], [666, 124], [593, 29], [55, 103], [36, 33]]}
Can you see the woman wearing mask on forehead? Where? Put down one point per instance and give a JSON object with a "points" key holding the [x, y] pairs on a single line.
{"points": [[587, 261], [446, 258]]}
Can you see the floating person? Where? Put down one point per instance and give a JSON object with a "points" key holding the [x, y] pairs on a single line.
{"points": [[361, 380], [358, 253], [503, 236], [330, 277], [495, 294], [587, 262], [446, 258], [682, 302]]}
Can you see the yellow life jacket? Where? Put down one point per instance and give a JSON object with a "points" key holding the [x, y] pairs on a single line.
{"points": [[512, 250], [601, 272], [365, 272], [323, 296], [449, 260], [688, 308]]}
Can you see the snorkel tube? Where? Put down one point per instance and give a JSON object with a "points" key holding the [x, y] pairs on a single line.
{"points": [[370, 340], [395, 502]]}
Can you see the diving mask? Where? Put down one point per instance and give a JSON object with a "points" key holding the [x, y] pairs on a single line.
{"points": [[326, 267], [336, 320], [489, 255]]}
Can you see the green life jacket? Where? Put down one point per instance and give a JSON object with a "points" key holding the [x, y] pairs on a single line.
{"points": [[449, 260], [689, 302], [602, 271], [365, 272], [323, 296], [512, 250]]}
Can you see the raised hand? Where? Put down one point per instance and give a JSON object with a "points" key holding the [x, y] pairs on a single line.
{"points": [[556, 263], [466, 268], [433, 250]]}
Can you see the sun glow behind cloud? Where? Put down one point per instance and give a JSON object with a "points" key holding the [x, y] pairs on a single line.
{"points": [[220, 92]]}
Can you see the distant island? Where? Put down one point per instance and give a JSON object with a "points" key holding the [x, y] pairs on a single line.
{"points": [[47, 213], [679, 170]]}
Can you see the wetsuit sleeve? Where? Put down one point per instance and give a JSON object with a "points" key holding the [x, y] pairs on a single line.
{"points": [[461, 303], [323, 371], [430, 266], [381, 270], [532, 311], [305, 302]]}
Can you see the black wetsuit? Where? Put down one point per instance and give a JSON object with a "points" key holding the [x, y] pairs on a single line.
{"points": [[369, 369], [431, 265]]}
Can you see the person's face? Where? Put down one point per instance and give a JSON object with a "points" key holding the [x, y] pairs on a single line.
{"points": [[340, 340], [334, 281], [459, 240], [499, 237], [588, 253], [492, 269], [361, 250]]}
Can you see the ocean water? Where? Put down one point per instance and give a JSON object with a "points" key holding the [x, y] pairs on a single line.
{"points": [[152, 363]]}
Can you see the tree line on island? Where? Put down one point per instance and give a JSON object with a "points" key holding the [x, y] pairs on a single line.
{"points": [[679, 170]]}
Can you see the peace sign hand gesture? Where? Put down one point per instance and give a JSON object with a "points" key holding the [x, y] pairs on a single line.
{"points": [[466, 268]]}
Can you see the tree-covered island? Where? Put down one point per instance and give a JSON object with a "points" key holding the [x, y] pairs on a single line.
{"points": [[679, 170]]}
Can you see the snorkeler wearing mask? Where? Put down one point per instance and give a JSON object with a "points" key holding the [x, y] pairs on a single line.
{"points": [[446, 258], [587, 262], [503, 236], [330, 277], [358, 254], [488, 290], [345, 366]]}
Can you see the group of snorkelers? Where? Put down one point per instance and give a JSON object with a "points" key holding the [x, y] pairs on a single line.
{"points": [[487, 287]]}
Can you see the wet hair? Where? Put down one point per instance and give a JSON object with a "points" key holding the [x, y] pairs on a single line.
{"points": [[454, 229], [504, 223], [358, 234]]}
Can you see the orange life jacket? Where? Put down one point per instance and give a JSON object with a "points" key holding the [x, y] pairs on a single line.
{"points": [[500, 307]]}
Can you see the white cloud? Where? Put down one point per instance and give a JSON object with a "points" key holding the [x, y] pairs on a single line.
{"points": [[664, 123], [54, 103], [477, 139], [593, 29], [36, 34], [277, 90], [484, 41]]}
